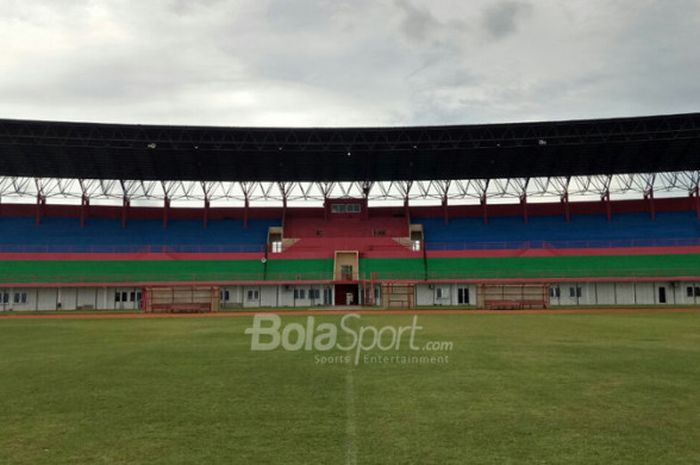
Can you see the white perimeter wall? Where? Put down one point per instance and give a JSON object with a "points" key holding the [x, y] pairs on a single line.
{"points": [[570, 294], [276, 296], [444, 294], [70, 298], [626, 293]]}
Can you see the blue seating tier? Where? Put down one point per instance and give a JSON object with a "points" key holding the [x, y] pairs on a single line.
{"points": [[583, 231], [61, 235]]}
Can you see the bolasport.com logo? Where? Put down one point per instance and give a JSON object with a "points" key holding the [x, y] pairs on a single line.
{"points": [[348, 342]]}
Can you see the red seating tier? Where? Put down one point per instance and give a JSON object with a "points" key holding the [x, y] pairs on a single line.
{"points": [[325, 247], [301, 227]]}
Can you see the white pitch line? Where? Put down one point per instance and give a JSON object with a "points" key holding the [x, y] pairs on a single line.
{"points": [[350, 423]]}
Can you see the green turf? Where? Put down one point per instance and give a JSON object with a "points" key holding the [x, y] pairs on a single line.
{"points": [[518, 389]]}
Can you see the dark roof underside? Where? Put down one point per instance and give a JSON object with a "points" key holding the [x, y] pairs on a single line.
{"points": [[565, 148]]}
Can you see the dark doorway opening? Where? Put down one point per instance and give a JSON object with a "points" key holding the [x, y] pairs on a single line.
{"points": [[463, 295], [346, 294]]}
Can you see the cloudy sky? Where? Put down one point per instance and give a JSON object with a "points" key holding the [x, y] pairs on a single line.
{"points": [[347, 62]]}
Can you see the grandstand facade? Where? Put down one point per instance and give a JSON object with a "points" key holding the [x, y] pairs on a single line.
{"points": [[527, 215]]}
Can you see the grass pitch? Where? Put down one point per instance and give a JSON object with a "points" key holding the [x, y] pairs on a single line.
{"points": [[525, 389]]}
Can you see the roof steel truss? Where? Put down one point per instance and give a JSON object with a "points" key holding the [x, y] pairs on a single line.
{"points": [[58, 190]]}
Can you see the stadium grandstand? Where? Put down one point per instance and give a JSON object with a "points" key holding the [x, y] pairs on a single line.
{"points": [[524, 215]]}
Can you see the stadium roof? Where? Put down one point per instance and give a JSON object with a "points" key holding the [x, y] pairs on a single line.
{"points": [[148, 152]]}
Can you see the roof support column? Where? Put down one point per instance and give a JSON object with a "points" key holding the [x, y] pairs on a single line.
{"points": [[366, 189], [649, 195], [565, 200], [326, 189], [246, 188], [166, 210], [602, 184], [444, 187], [207, 204], [523, 198], [39, 212], [246, 206], [168, 188], [84, 209], [608, 208], [40, 201], [205, 213], [126, 203], [695, 200], [483, 200], [405, 189], [284, 190], [445, 210], [84, 203]]}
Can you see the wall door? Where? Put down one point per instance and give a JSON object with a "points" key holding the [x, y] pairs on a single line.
{"points": [[127, 299], [662, 295], [463, 295], [121, 299], [5, 300]]}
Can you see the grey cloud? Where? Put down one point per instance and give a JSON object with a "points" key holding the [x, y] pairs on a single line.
{"points": [[183, 7], [501, 19], [346, 62], [418, 24], [303, 17]]}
